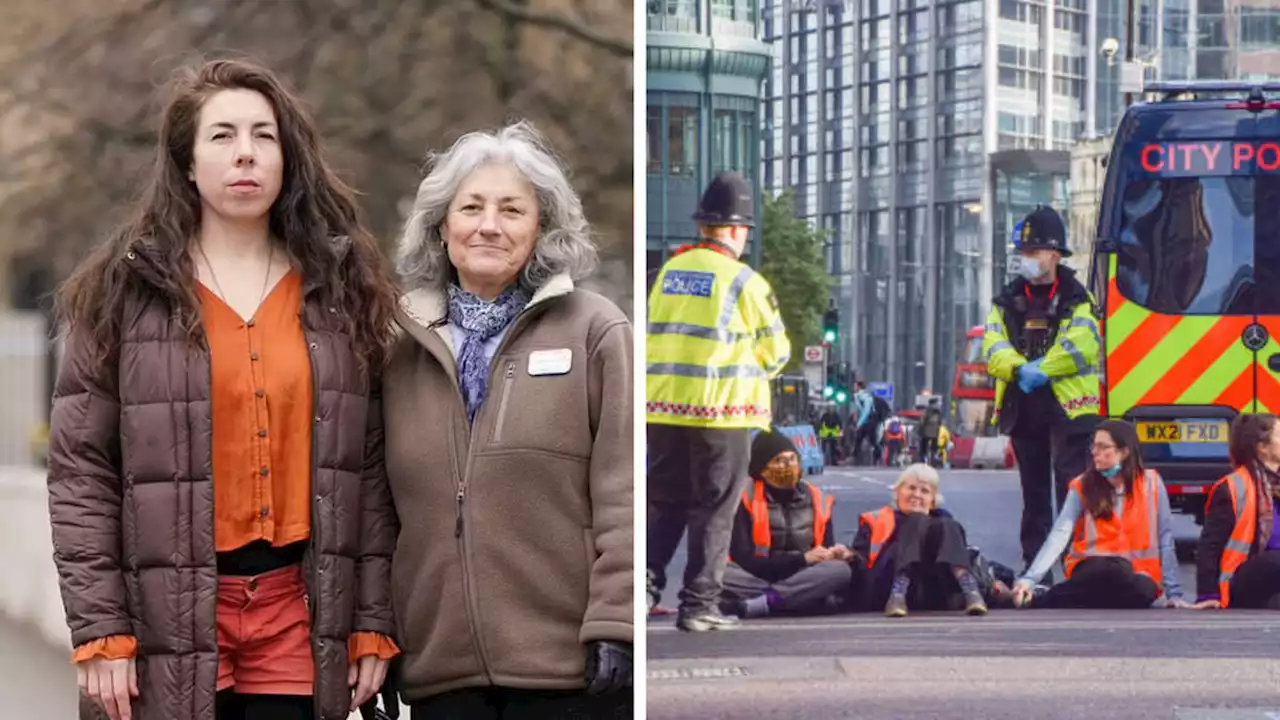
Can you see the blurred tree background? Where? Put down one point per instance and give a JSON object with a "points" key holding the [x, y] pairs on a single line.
{"points": [[387, 80]]}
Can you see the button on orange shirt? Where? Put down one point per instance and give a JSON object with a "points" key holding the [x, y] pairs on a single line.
{"points": [[262, 407]]}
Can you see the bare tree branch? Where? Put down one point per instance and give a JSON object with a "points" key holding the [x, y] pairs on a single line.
{"points": [[570, 26]]}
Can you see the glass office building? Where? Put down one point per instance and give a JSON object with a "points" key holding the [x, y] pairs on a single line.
{"points": [[1186, 40], [705, 62], [917, 132]]}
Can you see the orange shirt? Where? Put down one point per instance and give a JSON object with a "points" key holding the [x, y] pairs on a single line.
{"points": [[262, 407]]}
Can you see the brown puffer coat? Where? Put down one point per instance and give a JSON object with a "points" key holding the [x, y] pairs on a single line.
{"points": [[131, 503]]}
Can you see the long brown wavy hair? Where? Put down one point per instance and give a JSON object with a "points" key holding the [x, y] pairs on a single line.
{"points": [[1248, 431], [314, 215], [1098, 491]]}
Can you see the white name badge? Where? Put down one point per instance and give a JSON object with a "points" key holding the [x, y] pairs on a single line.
{"points": [[550, 362]]}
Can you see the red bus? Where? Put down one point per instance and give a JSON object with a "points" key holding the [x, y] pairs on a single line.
{"points": [[973, 391]]}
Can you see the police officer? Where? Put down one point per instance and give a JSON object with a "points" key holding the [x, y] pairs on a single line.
{"points": [[715, 339], [1041, 344], [829, 431]]}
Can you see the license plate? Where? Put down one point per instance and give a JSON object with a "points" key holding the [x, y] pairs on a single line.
{"points": [[1182, 432]]}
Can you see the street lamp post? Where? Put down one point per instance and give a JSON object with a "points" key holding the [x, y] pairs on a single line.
{"points": [[1129, 12]]}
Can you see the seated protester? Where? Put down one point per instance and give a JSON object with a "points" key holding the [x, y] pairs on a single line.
{"points": [[782, 557], [1117, 522], [1238, 560], [916, 552]]}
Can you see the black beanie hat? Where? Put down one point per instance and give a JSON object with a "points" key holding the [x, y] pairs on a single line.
{"points": [[767, 446]]}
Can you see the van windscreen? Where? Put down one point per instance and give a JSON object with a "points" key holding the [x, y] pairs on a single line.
{"points": [[1197, 230]]}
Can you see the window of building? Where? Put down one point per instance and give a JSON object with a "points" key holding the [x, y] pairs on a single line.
{"points": [[675, 15], [653, 133], [1069, 21], [682, 140], [724, 140]]}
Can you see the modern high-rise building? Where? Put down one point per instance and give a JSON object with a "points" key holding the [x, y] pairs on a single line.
{"points": [[705, 62], [916, 132], [1186, 40]]}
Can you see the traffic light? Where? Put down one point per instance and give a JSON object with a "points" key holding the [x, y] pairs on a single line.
{"points": [[831, 323], [828, 391], [842, 397]]}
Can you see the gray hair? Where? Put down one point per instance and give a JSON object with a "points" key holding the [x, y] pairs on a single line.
{"points": [[564, 243], [925, 474]]}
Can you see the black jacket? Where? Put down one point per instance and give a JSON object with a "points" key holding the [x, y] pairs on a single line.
{"points": [[862, 541], [1219, 523], [791, 530]]}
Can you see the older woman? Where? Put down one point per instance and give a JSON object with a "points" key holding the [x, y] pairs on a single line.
{"points": [[509, 423], [916, 551]]}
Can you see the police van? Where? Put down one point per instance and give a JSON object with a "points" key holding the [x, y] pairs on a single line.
{"points": [[1186, 270]]}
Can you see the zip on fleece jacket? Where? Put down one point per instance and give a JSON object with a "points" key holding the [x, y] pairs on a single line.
{"points": [[461, 529]]}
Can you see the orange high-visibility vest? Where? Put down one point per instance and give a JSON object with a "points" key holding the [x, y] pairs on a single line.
{"points": [[758, 507], [1244, 503], [881, 522], [1134, 537]]}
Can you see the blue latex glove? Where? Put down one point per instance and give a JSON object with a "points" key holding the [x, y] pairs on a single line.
{"points": [[1031, 377]]}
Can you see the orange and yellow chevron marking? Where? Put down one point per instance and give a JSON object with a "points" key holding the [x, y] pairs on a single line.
{"points": [[1194, 367], [1159, 359], [1239, 394], [1268, 395]]}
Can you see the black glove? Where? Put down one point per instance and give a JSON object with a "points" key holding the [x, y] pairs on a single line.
{"points": [[609, 667]]}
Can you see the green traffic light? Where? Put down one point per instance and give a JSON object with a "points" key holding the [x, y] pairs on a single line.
{"points": [[842, 396], [828, 391], [829, 336]]}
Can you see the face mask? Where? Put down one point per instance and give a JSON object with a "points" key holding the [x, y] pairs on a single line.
{"points": [[1028, 268], [786, 477], [1111, 471]]}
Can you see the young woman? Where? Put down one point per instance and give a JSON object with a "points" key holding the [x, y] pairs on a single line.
{"points": [[222, 524], [1117, 525], [1238, 562]]}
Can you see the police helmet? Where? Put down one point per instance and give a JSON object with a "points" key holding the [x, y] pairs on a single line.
{"points": [[1042, 229], [727, 201]]}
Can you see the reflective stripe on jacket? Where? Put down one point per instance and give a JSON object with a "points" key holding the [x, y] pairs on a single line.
{"points": [[1244, 503], [1071, 362], [881, 523], [1134, 536], [715, 339]]}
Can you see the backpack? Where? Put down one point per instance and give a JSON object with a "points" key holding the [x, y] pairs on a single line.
{"points": [[880, 410]]}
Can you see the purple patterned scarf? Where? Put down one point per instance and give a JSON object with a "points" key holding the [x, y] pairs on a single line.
{"points": [[481, 320]]}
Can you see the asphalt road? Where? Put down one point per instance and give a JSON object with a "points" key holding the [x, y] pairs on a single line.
{"points": [[1011, 664]]}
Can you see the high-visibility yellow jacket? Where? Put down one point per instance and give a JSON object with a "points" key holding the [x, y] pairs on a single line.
{"points": [[1071, 362], [715, 338]]}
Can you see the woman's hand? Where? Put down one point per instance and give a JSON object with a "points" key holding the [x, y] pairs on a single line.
{"points": [[110, 684], [1023, 592], [840, 552], [817, 555], [365, 677]]}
